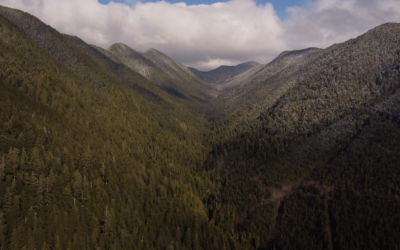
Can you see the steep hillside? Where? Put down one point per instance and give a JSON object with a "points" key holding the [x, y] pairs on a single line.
{"points": [[78, 61], [176, 70], [180, 74], [86, 160], [125, 74], [261, 85], [334, 127], [165, 72], [223, 73], [138, 63]]}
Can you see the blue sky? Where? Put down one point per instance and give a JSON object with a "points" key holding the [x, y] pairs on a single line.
{"points": [[279, 5]]}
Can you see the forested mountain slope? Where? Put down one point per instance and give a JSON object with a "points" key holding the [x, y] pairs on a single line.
{"points": [[165, 72], [301, 153], [223, 73], [336, 127], [87, 161], [181, 74], [261, 85]]}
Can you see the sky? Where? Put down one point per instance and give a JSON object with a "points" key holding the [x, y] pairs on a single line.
{"points": [[280, 6], [205, 34]]}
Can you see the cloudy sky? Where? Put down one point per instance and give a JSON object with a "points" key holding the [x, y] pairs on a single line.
{"points": [[206, 34]]}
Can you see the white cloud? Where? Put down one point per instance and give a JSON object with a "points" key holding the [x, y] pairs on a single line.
{"points": [[205, 36], [325, 22]]}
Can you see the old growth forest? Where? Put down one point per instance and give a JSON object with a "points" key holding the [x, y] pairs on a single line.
{"points": [[120, 149]]}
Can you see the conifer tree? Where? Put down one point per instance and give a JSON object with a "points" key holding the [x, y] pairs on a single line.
{"points": [[7, 201], [65, 174], [13, 161], [2, 167], [106, 221], [188, 238], [15, 239], [57, 244], [77, 184], [4, 145], [23, 161], [178, 234], [3, 230]]}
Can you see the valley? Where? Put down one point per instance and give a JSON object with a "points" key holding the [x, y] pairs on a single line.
{"points": [[121, 149]]}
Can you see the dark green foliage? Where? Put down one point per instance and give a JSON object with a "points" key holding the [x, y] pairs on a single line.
{"points": [[305, 223], [364, 221], [261, 222], [370, 162]]}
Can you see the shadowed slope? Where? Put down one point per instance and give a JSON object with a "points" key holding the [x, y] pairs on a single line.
{"points": [[262, 81], [328, 123]]}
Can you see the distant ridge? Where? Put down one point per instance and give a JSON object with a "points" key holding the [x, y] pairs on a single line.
{"points": [[293, 56], [165, 72], [262, 80], [223, 73]]}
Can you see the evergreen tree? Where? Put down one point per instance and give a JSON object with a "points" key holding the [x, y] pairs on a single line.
{"points": [[2, 168], [15, 239], [106, 222], [3, 230]]}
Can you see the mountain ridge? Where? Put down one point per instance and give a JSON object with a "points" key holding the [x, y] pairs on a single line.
{"points": [[168, 74], [223, 73]]}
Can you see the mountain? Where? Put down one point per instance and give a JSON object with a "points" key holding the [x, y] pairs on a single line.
{"points": [[180, 73], [127, 75], [301, 153], [262, 83], [92, 154], [176, 70], [223, 73], [164, 71], [315, 142]]}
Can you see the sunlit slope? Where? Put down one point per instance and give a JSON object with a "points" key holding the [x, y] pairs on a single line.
{"points": [[124, 74], [169, 75], [79, 61], [181, 74], [86, 160], [104, 69]]}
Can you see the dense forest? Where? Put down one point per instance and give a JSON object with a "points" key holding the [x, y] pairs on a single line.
{"points": [[95, 154]]}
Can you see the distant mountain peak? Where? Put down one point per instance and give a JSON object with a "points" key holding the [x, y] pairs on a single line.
{"points": [[223, 72], [151, 50], [121, 46], [285, 53]]}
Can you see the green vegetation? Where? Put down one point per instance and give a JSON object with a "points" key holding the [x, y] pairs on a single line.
{"points": [[89, 166], [305, 223], [95, 156]]}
